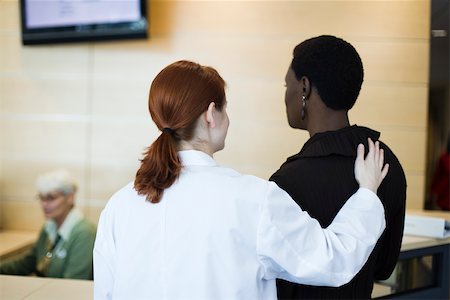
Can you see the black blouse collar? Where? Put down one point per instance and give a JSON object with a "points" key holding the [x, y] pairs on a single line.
{"points": [[341, 142]]}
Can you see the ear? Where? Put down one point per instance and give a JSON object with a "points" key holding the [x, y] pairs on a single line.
{"points": [[305, 86], [210, 115], [71, 199]]}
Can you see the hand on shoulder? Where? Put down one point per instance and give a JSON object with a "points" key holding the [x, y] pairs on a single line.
{"points": [[371, 170]]}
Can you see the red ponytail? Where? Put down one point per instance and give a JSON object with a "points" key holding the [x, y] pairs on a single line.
{"points": [[159, 169], [179, 94]]}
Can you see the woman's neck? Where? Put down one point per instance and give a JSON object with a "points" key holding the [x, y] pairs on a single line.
{"points": [[59, 221], [331, 121], [203, 147]]}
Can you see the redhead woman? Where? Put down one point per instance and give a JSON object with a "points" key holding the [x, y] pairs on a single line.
{"points": [[188, 228]]}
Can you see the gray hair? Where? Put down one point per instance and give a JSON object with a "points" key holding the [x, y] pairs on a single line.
{"points": [[56, 181]]}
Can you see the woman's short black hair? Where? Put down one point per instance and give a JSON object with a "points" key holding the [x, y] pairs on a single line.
{"points": [[333, 66]]}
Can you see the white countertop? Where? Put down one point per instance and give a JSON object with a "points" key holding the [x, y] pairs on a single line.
{"points": [[37, 288]]}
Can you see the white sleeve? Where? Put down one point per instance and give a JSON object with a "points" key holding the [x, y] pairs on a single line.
{"points": [[293, 246], [104, 257]]}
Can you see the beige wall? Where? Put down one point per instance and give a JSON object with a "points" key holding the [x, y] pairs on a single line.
{"points": [[84, 106]]}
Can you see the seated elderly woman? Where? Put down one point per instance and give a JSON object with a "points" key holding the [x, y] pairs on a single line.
{"points": [[65, 243]]}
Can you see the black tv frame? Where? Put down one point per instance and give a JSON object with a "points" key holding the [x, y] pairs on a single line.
{"points": [[85, 33]]}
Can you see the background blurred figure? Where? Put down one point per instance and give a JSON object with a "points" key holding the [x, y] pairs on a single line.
{"points": [[65, 243], [322, 85], [440, 184]]}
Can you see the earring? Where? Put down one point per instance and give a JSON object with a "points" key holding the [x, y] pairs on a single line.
{"points": [[302, 113]]}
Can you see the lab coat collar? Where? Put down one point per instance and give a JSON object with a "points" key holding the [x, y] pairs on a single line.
{"points": [[196, 158]]}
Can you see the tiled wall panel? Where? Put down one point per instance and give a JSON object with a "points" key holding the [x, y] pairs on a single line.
{"points": [[83, 106]]}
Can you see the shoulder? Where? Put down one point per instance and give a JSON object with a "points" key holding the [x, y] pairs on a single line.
{"points": [[244, 179], [392, 191], [123, 195], [85, 225], [120, 204], [395, 167], [84, 228], [127, 190], [251, 186], [223, 175], [42, 237], [231, 183], [293, 168]]}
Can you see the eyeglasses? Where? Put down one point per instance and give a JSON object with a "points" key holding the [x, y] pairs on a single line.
{"points": [[49, 197]]}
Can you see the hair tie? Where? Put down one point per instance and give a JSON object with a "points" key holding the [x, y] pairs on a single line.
{"points": [[168, 130]]}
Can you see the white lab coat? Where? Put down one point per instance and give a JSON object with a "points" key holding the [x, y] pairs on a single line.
{"points": [[217, 234]]}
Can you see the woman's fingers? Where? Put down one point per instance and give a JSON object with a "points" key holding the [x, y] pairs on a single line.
{"points": [[360, 154], [384, 171], [370, 171], [371, 147], [377, 152], [381, 159]]}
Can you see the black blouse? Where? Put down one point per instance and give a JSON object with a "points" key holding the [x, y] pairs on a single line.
{"points": [[320, 179]]}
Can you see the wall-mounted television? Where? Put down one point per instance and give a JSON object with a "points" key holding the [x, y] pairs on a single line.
{"points": [[61, 21]]}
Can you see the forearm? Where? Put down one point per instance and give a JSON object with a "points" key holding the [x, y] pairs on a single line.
{"points": [[23, 265], [355, 231], [305, 253]]}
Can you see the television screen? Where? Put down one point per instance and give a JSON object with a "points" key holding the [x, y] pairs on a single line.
{"points": [[56, 21]]}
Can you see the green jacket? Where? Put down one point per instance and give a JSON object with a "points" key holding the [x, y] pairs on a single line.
{"points": [[72, 257]]}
